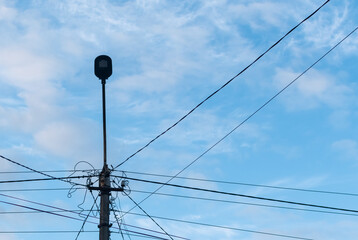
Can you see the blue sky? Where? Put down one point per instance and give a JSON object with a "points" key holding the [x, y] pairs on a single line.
{"points": [[167, 57]]}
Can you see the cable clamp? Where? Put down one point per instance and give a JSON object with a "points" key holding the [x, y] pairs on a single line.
{"points": [[105, 225]]}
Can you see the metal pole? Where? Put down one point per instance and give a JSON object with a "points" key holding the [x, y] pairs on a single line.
{"points": [[104, 123], [104, 179], [103, 70]]}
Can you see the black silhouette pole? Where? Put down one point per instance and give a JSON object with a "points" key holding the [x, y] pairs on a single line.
{"points": [[103, 70]]}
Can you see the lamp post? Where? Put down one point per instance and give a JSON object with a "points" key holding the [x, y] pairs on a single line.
{"points": [[103, 70]]}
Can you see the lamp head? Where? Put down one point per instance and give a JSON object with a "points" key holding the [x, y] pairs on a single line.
{"points": [[103, 67]]}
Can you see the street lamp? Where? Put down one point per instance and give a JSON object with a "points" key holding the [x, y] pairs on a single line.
{"points": [[103, 67], [103, 70]]}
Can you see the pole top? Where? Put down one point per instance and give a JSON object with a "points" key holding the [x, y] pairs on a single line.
{"points": [[103, 67]]}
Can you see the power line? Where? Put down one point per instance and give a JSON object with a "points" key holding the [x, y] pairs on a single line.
{"points": [[245, 184], [245, 203], [148, 215], [48, 179], [40, 210], [34, 202], [44, 231], [250, 116], [39, 189], [70, 231], [95, 202], [169, 176], [51, 171], [63, 210], [158, 175], [224, 227], [129, 225], [244, 195], [123, 221], [39, 172], [65, 216], [204, 199], [223, 86], [85, 220], [198, 223], [211, 225], [117, 220], [69, 211]]}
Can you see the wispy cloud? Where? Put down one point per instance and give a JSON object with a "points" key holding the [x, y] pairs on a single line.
{"points": [[312, 90], [328, 28]]}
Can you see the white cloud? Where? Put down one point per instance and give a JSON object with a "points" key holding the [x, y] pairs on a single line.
{"points": [[259, 15], [25, 69], [328, 27], [30, 118], [30, 72], [6, 13], [75, 140], [149, 81], [311, 90]]}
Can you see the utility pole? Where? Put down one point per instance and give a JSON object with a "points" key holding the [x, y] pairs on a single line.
{"points": [[104, 184], [103, 70]]}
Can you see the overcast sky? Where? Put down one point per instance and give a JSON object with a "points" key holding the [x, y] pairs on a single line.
{"points": [[167, 57]]}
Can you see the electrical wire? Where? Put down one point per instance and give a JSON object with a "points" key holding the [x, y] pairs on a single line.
{"points": [[245, 184], [40, 210], [95, 203], [70, 211], [224, 227], [120, 183], [196, 223], [244, 195], [216, 226], [142, 236], [117, 220], [123, 221], [250, 116], [33, 202], [85, 220], [205, 199], [47, 179], [44, 231], [246, 203], [39, 172], [129, 225], [223, 86], [170, 176], [187, 178], [69, 217], [69, 231], [50, 171], [37, 189], [148, 215]]}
